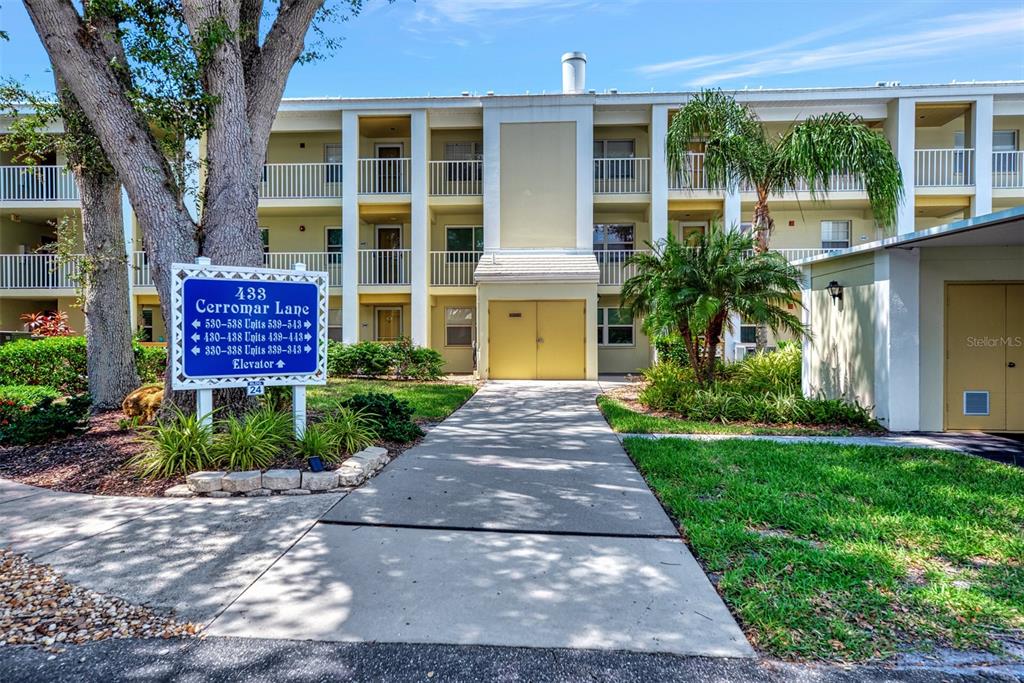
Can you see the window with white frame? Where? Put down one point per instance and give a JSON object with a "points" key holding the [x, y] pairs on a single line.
{"points": [[1004, 141], [458, 326], [835, 234], [748, 334], [146, 325], [614, 237], [332, 157], [333, 237], [334, 324], [463, 151], [265, 239], [615, 327], [464, 238], [614, 149]]}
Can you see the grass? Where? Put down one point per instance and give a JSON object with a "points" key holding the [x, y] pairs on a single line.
{"points": [[628, 421], [850, 553], [429, 400]]}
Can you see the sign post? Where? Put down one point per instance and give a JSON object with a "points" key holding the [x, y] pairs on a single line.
{"points": [[249, 328]]}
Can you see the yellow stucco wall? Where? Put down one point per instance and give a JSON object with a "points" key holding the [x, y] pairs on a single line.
{"points": [[638, 134], [11, 310], [286, 235], [287, 148], [623, 359], [457, 358], [842, 358], [806, 231], [538, 184], [439, 137]]}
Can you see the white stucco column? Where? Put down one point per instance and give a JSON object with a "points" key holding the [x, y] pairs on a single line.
{"points": [[732, 209], [897, 339], [128, 229], [659, 173], [981, 141], [492, 179], [807, 318], [350, 227], [420, 246], [900, 127], [585, 179]]}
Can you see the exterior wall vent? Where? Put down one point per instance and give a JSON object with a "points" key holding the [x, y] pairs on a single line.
{"points": [[976, 403]]}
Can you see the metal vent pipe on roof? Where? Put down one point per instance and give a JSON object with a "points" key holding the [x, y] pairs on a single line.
{"points": [[574, 73]]}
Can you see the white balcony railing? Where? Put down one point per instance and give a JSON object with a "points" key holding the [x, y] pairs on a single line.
{"points": [[837, 182], [692, 176], [301, 181], [622, 176], [37, 184], [384, 176], [37, 271], [453, 268], [944, 168], [797, 254], [614, 267], [1007, 170], [328, 262], [456, 178], [384, 266], [141, 276]]}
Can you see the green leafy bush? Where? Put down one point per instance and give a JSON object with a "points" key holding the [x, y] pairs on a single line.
{"points": [[352, 430], [400, 359], [393, 416], [251, 442], [318, 441], [178, 445], [59, 362], [776, 371], [670, 348], [35, 414]]}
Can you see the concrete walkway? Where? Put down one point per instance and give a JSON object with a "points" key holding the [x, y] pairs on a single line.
{"points": [[518, 521]]}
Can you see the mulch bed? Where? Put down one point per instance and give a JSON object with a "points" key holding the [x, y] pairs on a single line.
{"points": [[97, 461]]}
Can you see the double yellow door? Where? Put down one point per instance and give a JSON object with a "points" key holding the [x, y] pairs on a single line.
{"points": [[537, 339], [985, 356]]}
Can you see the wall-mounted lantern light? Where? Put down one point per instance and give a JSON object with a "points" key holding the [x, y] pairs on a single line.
{"points": [[835, 290]]}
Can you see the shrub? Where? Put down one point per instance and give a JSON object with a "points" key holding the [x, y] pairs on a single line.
{"points": [[352, 430], [178, 445], [776, 371], [318, 441], [251, 442], [59, 362], [392, 415], [398, 359], [670, 348], [35, 414]]}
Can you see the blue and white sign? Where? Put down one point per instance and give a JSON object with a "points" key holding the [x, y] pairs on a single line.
{"points": [[248, 327]]}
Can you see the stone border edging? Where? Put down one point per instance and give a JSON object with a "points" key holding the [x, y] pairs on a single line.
{"points": [[292, 482]]}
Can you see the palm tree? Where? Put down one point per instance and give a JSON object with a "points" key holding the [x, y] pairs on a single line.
{"points": [[737, 151], [693, 290]]}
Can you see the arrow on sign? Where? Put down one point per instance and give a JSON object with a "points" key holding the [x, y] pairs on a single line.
{"points": [[196, 324], [308, 336], [308, 324], [195, 336], [280, 363], [195, 350], [307, 348]]}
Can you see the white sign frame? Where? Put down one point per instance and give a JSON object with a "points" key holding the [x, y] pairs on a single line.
{"points": [[180, 272]]}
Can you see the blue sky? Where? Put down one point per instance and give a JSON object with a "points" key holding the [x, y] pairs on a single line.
{"points": [[442, 47]]}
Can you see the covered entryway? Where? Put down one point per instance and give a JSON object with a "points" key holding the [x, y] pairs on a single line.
{"points": [[538, 339], [985, 356]]}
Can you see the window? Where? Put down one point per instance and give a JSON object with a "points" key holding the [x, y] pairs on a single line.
{"points": [[1004, 141], [334, 244], [334, 324], [458, 326], [146, 326], [613, 237], [748, 334], [464, 238], [835, 234], [265, 239], [614, 327], [332, 157], [463, 151], [614, 149]]}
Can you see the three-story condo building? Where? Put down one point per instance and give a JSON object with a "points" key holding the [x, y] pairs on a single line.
{"points": [[496, 228]]}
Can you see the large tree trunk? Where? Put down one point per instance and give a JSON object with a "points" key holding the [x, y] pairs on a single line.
{"points": [[110, 359], [763, 226]]}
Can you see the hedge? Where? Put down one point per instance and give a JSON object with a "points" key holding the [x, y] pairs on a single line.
{"points": [[34, 414], [59, 362], [398, 359]]}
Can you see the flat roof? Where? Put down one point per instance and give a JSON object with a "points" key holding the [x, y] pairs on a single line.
{"points": [[1001, 228]]}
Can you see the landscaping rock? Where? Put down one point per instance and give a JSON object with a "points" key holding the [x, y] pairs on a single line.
{"points": [[180, 491], [281, 480], [219, 494], [258, 493], [372, 459], [320, 481], [204, 482], [242, 482], [351, 474], [296, 492]]}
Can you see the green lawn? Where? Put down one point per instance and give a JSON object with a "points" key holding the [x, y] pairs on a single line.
{"points": [[627, 421], [430, 400], [849, 553]]}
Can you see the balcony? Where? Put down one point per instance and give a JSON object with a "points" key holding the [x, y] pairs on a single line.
{"points": [[37, 184], [944, 168], [453, 268], [692, 177], [385, 176], [37, 271], [614, 267], [301, 181], [792, 255], [1008, 170], [456, 178], [383, 267], [622, 176], [328, 262]]}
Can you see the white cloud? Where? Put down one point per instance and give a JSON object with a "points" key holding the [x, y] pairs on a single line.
{"points": [[479, 11], [948, 35]]}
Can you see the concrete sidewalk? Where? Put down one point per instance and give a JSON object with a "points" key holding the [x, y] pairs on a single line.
{"points": [[519, 521]]}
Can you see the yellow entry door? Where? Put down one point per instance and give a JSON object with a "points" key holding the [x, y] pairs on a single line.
{"points": [[984, 356], [389, 324], [537, 339]]}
